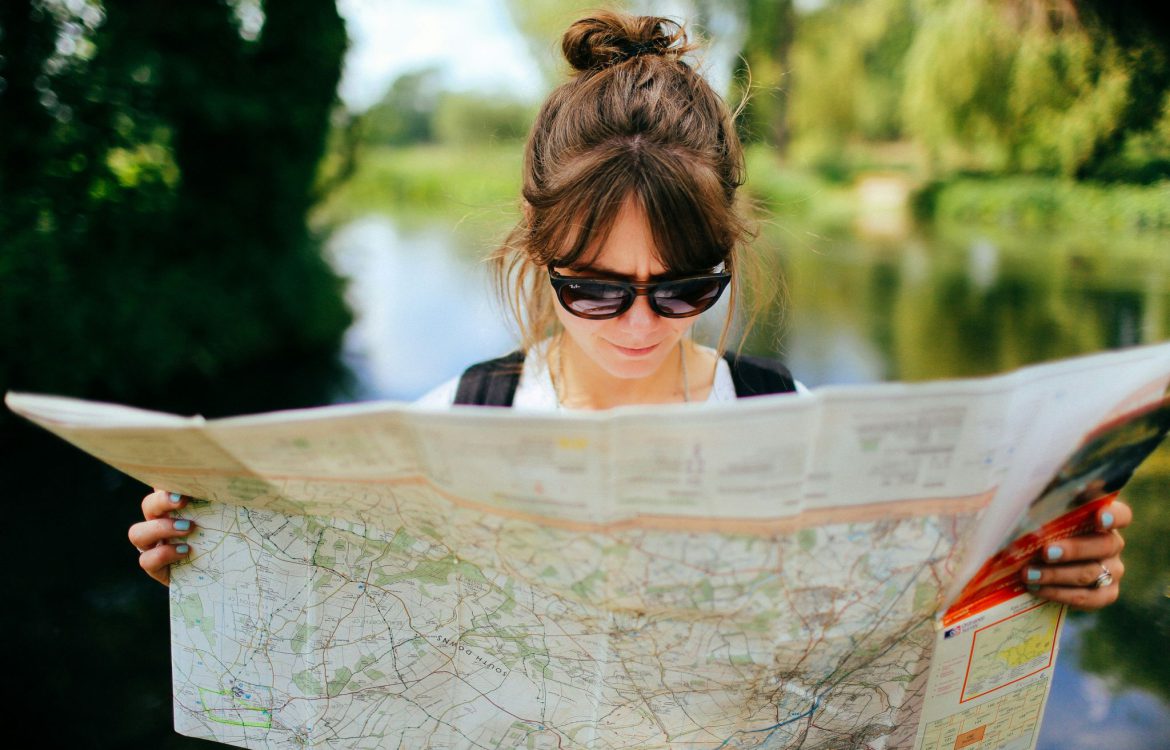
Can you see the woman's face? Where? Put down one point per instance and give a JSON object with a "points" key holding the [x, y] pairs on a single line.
{"points": [[639, 342]]}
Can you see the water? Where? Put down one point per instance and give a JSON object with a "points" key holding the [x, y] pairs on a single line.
{"points": [[424, 305], [1087, 711]]}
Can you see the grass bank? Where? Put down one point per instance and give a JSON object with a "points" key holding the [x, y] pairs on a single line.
{"points": [[1041, 203], [483, 182], [798, 194], [429, 179], [446, 179]]}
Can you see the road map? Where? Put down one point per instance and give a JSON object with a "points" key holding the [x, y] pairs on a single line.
{"points": [[767, 573]]}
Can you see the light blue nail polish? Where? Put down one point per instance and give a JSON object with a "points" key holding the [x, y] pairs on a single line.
{"points": [[182, 549], [182, 525], [1054, 552], [175, 497], [1033, 574], [1106, 520]]}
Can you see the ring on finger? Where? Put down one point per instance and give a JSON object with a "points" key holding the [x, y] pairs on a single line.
{"points": [[1103, 580]]}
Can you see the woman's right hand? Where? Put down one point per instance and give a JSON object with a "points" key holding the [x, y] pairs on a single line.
{"points": [[159, 539]]}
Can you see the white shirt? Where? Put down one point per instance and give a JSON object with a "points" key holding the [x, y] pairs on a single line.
{"points": [[535, 391]]}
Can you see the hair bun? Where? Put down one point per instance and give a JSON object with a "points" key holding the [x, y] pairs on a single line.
{"points": [[609, 38]]}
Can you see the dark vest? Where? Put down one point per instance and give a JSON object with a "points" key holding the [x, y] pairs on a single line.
{"points": [[493, 383]]}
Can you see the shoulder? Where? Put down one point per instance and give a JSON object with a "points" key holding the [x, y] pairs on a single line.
{"points": [[759, 376], [441, 396], [488, 383], [509, 363], [491, 382], [515, 379]]}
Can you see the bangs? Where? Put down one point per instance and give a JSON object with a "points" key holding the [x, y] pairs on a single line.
{"points": [[686, 206], [684, 201]]}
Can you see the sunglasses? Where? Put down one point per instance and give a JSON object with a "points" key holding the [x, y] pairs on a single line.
{"points": [[599, 299]]}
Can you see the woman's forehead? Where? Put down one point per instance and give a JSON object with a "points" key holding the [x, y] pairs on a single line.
{"points": [[625, 247], [621, 262], [624, 240]]}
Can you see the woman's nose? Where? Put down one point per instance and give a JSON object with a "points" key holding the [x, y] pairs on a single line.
{"points": [[640, 314]]}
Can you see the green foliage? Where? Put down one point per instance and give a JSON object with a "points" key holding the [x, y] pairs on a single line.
{"points": [[1045, 203], [416, 110], [794, 194], [989, 93], [1141, 149], [450, 180], [465, 119], [155, 173], [406, 113], [1079, 89], [847, 66], [1142, 156], [957, 70], [542, 22], [763, 74]]}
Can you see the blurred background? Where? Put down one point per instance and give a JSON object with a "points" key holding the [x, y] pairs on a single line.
{"points": [[234, 206]]}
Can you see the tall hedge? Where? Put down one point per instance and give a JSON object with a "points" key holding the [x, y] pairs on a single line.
{"points": [[157, 162]]}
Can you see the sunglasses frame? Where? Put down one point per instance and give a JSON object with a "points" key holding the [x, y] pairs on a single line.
{"points": [[633, 289]]}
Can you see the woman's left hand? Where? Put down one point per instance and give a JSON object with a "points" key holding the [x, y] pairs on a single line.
{"points": [[1071, 570]]}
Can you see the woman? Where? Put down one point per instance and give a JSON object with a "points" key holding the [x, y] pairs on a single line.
{"points": [[629, 230]]}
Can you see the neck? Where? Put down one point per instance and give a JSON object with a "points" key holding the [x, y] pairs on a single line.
{"points": [[581, 384]]}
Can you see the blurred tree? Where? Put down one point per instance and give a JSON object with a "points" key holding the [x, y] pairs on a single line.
{"points": [[418, 109], [406, 114], [763, 73], [542, 22], [1139, 150], [1033, 86], [156, 167], [1079, 88], [470, 119], [995, 89], [848, 66]]}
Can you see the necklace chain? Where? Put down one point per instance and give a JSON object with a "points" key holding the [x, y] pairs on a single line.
{"points": [[559, 381]]}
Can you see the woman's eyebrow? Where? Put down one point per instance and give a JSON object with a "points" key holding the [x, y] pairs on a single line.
{"points": [[606, 273]]}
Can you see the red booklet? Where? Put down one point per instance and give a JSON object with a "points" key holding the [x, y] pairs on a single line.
{"points": [[1068, 506]]}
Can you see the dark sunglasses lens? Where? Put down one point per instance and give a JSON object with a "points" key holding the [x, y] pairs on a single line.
{"points": [[687, 297], [590, 299]]}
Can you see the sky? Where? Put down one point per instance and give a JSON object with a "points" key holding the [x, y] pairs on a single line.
{"points": [[476, 45], [474, 42]]}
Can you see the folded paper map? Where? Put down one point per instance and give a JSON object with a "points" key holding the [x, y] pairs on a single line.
{"points": [[833, 570]]}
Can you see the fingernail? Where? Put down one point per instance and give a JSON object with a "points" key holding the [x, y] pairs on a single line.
{"points": [[1033, 574], [182, 525], [1106, 520], [182, 549], [174, 496], [1033, 589], [1054, 552]]}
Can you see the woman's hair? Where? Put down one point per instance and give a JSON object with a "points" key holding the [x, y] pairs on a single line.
{"points": [[634, 121]]}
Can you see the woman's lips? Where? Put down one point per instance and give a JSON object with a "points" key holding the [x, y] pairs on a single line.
{"points": [[634, 351]]}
